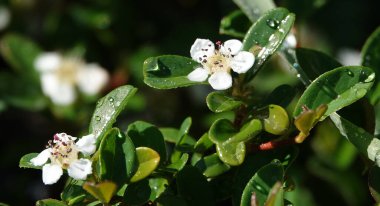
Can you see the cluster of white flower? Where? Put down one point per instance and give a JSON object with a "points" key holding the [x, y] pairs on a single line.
{"points": [[63, 153], [60, 75], [218, 62]]}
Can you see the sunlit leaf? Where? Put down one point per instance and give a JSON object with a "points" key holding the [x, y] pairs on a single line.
{"points": [[148, 161], [102, 191]]}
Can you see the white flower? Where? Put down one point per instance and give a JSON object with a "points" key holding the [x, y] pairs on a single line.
{"points": [[63, 154], [349, 57], [219, 61], [60, 76], [5, 17]]}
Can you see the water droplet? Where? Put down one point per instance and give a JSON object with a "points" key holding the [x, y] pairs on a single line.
{"points": [[296, 65], [349, 73], [110, 99], [370, 78], [298, 76], [364, 75], [98, 118], [272, 23], [99, 103]]}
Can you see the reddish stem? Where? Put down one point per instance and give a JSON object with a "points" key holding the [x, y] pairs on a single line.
{"points": [[274, 144]]}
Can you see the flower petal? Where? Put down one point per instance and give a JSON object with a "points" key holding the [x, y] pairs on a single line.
{"points": [[86, 144], [220, 80], [48, 61], [51, 173], [91, 78], [41, 158], [5, 16], [231, 47], [60, 93], [201, 49], [198, 75], [79, 169], [242, 62], [291, 41]]}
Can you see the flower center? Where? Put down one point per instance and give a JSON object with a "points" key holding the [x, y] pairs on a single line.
{"points": [[217, 62], [63, 150], [68, 70]]}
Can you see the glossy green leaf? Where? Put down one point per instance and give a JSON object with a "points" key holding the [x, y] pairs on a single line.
{"points": [[231, 153], [261, 183], [20, 52], [281, 95], [374, 183], [148, 162], [254, 162], [147, 135], [179, 164], [337, 88], [255, 8], [169, 71], [266, 35], [50, 202], [308, 119], [203, 144], [235, 24], [277, 122], [171, 135], [108, 108], [169, 200], [73, 193], [223, 130], [117, 157], [180, 144], [371, 52], [212, 166], [220, 102], [364, 142], [194, 188], [102, 191], [25, 161], [314, 63]]}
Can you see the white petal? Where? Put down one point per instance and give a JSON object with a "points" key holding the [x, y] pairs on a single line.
{"points": [[5, 17], [91, 78], [61, 93], [231, 47], [79, 169], [48, 61], [86, 144], [220, 80], [201, 49], [51, 173], [198, 75], [242, 62], [41, 158]]}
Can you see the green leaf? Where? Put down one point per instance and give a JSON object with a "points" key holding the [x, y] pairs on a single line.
{"points": [[137, 193], [102, 191], [180, 144], [148, 162], [108, 108], [147, 135], [261, 183], [223, 130], [170, 200], [307, 120], [275, 196], [194, 188], [20, 52], [50, 202], [212, 166], [73, 193], [203, 144], [220, 102], [255, 8], [314, 63], [364, 142], [266, 35], [337, 88], [254, 162], [235, 24], [374, 183], [178, 165], [371, 52], [25, 161], [169, 71], [117, 159], [171, 135], [158, 186], [277, 122], [231, 153]]}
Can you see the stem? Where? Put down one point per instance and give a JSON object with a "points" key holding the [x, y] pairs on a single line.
{"points": [[274, 144]]}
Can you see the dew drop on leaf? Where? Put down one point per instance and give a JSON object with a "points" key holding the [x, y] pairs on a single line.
{"points": [[349, 73], [98, 118], [110, 99], [272, 23]]}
